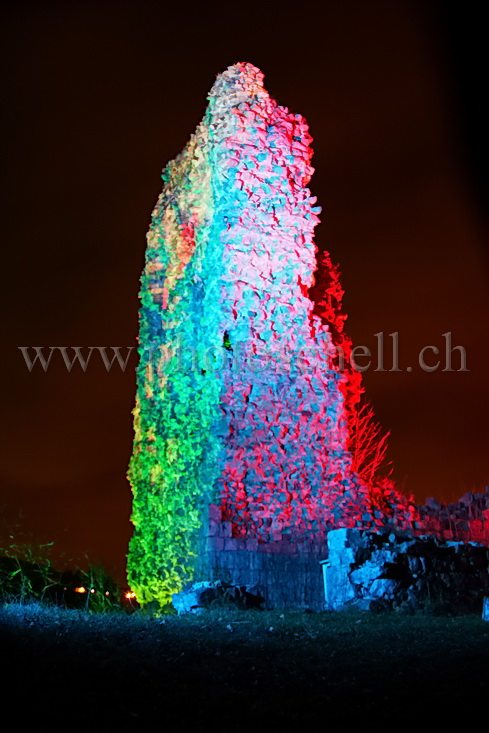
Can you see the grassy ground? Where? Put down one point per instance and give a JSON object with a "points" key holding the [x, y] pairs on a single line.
{"points": [[228, 670]]}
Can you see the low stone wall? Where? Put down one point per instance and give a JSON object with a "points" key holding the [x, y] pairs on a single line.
{"points": [[351, 567], [287, 574], [381, 571], [466, 520]]}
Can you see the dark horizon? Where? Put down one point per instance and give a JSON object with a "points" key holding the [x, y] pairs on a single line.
{"points": [[99, 97]]}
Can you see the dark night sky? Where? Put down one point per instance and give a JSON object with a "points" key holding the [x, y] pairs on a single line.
{"points": [[98, 96]]}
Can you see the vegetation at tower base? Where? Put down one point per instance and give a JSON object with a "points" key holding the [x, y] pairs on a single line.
{"points": [[241, 397]]}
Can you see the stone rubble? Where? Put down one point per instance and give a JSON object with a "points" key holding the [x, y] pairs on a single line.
{"points": [[205, 594], [466, 519], [388, 571]]}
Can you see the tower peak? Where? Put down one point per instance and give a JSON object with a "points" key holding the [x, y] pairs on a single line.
{"points": [[238, 82]]}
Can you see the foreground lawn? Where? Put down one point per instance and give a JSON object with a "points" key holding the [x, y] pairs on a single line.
{"points": [[227, 670]]}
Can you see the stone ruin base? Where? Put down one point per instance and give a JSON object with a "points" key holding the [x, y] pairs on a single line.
{"points": [[286, 574], [384, 571], [354, 568]]}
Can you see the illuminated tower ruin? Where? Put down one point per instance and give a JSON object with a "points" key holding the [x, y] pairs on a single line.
{"points": [[241, 401]]}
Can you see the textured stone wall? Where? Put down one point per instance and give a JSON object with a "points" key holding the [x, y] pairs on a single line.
{"points": [[383, 571], [376, 571], [286, 573], [242, 399], [466, 520]]}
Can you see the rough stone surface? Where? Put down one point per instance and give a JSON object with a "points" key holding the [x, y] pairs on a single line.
{"points": [[466, 519], [380, 571], [286, 574], [246, 396], [204, 594]]}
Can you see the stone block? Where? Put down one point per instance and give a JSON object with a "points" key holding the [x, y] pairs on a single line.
{"points": [[231, 545], [267, 548], [255, 560], [365, 574], [225, 529], [252, 545], [215, 512], [338, 590], [383, 588], [227, 560], [338, 539], [287, 548], [383, 557], [342, 557], [216, 544]]}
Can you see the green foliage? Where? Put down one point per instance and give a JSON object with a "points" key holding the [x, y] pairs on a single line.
{"points": [[26, 572], [102, 592], [27, 575]]}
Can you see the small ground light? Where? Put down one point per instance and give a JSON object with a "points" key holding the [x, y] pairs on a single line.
{"points": [[130, 594], [80, 589]]}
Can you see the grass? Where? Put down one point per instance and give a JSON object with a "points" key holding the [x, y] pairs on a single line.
{"points": [[231, 670], [25, 572], [101, 669], [28, 575]]}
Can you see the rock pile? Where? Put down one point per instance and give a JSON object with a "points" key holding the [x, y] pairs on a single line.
{"points": [[386, 571], [206, 594]]}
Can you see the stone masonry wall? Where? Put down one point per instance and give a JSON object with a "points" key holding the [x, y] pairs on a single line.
{"points": [[350, 567], [242, 399], [466, 520], [385, 571], [287, 574]]}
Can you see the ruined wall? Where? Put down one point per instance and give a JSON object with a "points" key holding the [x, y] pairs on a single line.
{"points": [[349, 567], [385, 571], [466, 520], [241, 395], [285, 572]]}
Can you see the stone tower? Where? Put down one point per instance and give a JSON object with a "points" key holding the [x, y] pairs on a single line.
{"points": [[241, 401]]}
